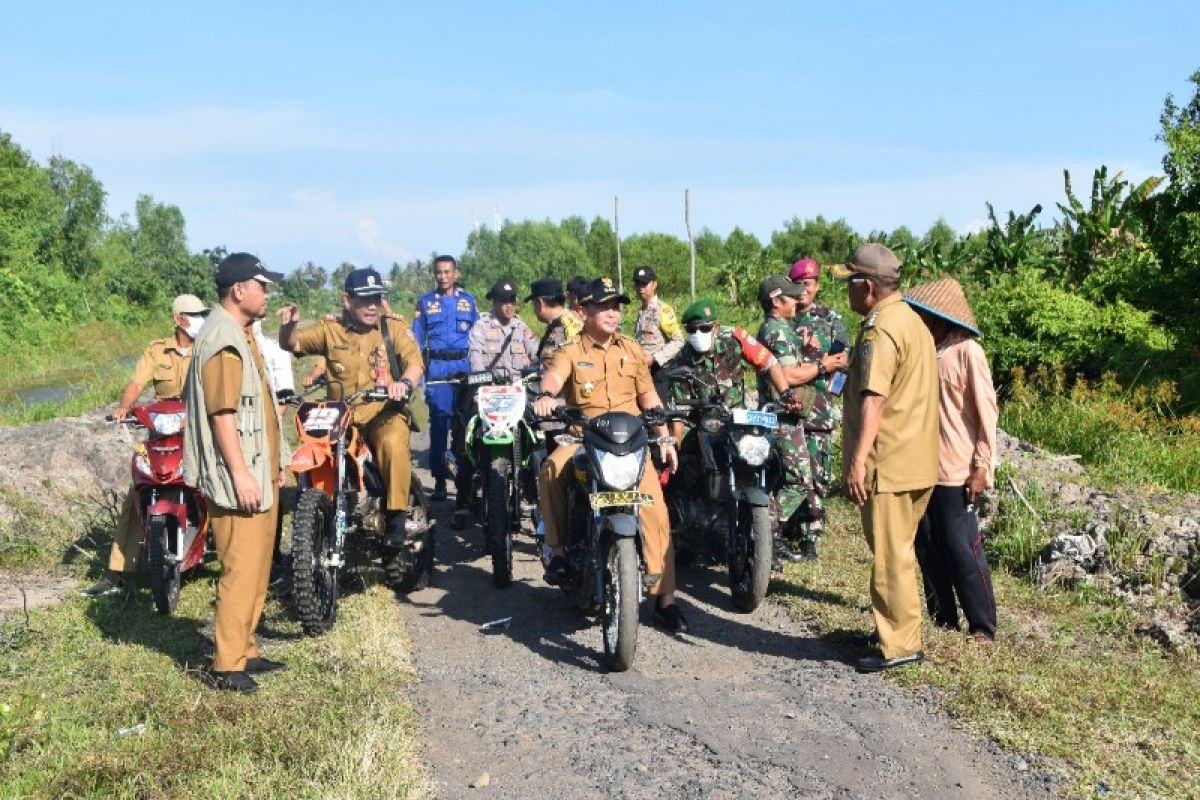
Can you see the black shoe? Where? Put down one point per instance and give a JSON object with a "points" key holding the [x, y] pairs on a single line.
{"points": [[109, 583], [865, 639], [459, 520], [260, 665], [879, 663], [556, 571], [808, 550], [670, 618], [232, 682], [396, 535], [439, 492], [785, 553]]}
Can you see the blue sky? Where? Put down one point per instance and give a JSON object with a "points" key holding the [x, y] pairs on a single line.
{"points": [[373, 132]]}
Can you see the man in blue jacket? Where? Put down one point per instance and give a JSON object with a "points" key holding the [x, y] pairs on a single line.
{"points": [[441, 326]]}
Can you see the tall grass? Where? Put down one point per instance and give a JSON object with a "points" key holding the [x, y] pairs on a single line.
{"points": [[1127, 436]]}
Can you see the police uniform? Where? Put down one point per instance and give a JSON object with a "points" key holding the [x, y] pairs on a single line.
{"points": [[599, 379], [352, 357], [441, 325], [165, 364], [486, 348], [894, 357]]}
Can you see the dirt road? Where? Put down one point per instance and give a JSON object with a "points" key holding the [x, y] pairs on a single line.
{"points": [[744, 706]]}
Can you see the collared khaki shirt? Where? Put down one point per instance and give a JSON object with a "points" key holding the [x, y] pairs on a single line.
{"points": [[658, 330], [602, 378], [352, 357], [164, 363], [894, 357]]}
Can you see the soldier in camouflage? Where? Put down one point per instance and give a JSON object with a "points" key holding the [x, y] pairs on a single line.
{"points": [[778, 297], [818, 327], [549, 306]]}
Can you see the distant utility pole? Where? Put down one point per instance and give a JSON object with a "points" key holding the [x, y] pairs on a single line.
{"points": [[687, 220], [496, 215], [617, 233]]}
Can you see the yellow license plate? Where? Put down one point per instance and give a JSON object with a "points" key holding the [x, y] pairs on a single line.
{"points": [[609, 499]]}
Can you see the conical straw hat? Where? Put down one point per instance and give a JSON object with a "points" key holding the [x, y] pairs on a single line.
{"points": [[945, 299]]}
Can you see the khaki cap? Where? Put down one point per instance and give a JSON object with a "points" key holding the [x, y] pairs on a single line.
{"points": [[870, 259], [188, 304]]}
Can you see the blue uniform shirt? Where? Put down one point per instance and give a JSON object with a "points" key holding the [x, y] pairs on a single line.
{"points": [[443, 322]]}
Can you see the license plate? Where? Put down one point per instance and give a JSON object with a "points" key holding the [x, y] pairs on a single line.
{"points": [[609, 499], [479, 378], [761, 419]]}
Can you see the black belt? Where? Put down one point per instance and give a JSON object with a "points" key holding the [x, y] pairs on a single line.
{"points": [[445, 355]]}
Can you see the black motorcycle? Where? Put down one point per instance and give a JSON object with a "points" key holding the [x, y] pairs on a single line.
{"points": [[605, 565], [718, 500]]}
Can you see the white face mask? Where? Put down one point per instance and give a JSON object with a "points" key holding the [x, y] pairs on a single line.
{"points": [[701, 341], [194, 324]]}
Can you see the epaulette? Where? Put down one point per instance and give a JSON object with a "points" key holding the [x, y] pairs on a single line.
{"points": [[869, 322]]}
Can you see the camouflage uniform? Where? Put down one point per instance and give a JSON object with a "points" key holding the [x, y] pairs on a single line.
{"points": [[818, 328], [558, 332], [795, 480], [724, 362]]}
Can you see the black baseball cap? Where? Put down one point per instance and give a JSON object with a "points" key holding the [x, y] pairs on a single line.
{"points": [[644, 275], [238, 267], [503, 291], [365, 282], [545, 287], [602, 290]]}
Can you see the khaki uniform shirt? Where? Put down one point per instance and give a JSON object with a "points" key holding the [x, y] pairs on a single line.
{"points": [[222, 382], [352, 358], [166, 365], [600, 378], [485, 344], [658, 331], [895, 357]]}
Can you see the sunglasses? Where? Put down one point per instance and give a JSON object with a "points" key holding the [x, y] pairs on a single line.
{"points": [[702, 327]]}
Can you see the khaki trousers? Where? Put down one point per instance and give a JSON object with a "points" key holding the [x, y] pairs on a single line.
{"points": [[127, 538], [889, 521], [556, 477], [244, 545], [389, 441]]}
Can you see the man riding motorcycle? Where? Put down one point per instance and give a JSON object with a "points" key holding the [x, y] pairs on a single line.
{"points": [[601, 371], [355, 349]]}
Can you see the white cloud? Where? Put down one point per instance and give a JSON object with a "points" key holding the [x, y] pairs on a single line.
{"points": [[371, 238]]}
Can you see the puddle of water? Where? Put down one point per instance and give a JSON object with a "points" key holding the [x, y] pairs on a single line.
{"points": [[67, 386]]}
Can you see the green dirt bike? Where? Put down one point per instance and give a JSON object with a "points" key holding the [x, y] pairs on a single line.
{"points": [[504, 449]]}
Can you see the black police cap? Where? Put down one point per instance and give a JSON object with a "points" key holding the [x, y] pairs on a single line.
{"points": [[502, 290], [603, 290], [365, 282], [644, 275], [545, 287]]}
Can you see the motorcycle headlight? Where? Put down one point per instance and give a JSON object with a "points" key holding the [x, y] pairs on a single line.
{"points": [[753, 449], [620, 472], [167, 424]]}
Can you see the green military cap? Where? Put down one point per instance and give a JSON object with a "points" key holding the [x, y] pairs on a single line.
{"points": [[703, 310]]}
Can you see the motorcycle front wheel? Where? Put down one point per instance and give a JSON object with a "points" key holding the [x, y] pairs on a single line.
{"points": [[497, 527], [750, 558], [314, 584], [165, 576], [622, 594]]}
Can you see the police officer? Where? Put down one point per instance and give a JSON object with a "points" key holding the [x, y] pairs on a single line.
{"points": [[441, 325], [550, 309], [818, 327], [777, 295], [602, 371], [165, 363], [355, 351], [234, 452], [657, 329], [500, 340]]}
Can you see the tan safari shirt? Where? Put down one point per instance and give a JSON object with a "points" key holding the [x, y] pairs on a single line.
{"points": [[600, 379], [894, 357], [166, 365], [351, 357]]}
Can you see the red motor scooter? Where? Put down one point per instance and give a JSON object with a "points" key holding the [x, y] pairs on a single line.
{"points": [[174, 515]]}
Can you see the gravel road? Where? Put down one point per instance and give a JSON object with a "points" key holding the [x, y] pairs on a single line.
{"points": [[751, 706]]}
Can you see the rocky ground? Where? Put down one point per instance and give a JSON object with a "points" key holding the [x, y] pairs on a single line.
{"points": [[743, 706]]}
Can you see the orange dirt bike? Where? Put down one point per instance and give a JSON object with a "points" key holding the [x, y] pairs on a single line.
{"points": [[338, 523]]}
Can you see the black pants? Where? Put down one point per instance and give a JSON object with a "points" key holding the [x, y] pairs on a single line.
{"points": [[950, 552]]}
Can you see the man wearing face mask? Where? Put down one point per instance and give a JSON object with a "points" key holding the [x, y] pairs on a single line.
{"points": [[818, 327], [165, 363]]}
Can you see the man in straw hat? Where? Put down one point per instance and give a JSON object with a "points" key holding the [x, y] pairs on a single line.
{"points": [[891, 444], [949, 544]]}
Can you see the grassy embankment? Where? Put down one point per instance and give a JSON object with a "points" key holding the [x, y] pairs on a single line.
{"points": [[1068, 679], [73, 677]]}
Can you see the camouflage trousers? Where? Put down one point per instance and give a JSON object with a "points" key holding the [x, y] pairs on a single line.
{"points": [[795, 476], [812, 509]]}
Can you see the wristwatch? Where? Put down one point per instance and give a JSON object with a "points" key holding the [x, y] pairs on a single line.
{"points": [[821, 371], [407, 383]]}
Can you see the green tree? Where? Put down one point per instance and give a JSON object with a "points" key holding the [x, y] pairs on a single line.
{"points": [[819, 239], [160, 247], [601, 248], [81, 218], [668, 255]]}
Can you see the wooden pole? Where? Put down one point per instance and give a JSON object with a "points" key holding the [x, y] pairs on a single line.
{"points": [[617, 234], [687, 220]]}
